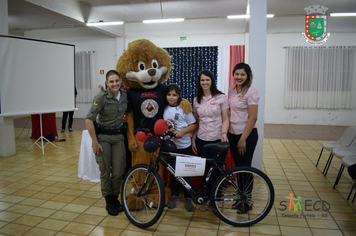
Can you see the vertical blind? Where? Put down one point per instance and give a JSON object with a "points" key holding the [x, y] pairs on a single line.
{"points": [[320, 77], [85, 76]]}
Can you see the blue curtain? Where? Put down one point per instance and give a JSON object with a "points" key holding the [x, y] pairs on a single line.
{"points": [[187, 63]]}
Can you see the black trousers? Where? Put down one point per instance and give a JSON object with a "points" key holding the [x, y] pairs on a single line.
{"points": [[173, 182], [244, 181], [210, 153], [70, 120]]}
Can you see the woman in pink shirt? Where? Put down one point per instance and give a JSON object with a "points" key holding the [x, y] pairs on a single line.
{"points": [[211, 111], [243, 136]]}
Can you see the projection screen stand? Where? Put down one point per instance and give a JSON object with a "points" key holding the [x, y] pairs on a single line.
{"points": [[41, 138]]}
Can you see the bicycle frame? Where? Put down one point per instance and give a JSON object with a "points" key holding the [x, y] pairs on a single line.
{"points": [[240, 196], [197, 198]]}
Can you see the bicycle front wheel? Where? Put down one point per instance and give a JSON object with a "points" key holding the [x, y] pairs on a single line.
{"points": [[243, 197], [142, 196]]}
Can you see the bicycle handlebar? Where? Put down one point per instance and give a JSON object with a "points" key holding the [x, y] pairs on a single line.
{"points": [[147, 131]]}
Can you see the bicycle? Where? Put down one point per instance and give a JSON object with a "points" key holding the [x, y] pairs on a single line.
{"points": [[240, 196]]}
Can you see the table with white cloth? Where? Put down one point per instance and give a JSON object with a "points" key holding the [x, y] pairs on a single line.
{"points": [[88, 169]]}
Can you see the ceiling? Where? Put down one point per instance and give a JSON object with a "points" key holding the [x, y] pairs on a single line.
{"points": [[25, 15]]}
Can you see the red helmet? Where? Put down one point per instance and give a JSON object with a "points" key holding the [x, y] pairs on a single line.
{"points": [[142, 137], [160, 127]]}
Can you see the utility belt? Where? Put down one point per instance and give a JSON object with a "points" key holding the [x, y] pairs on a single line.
{"points": [[101, 130]]}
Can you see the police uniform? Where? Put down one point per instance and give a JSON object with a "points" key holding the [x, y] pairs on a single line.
{"points": [[109, 131]]}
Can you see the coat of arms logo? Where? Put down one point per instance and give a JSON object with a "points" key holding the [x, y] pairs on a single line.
{"points": [[315, 25]]}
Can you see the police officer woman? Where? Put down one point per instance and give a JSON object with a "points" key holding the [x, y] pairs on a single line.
{"points": [[108, 139]]}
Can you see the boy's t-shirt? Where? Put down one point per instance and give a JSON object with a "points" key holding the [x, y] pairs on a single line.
{"points": [[179, 120]]}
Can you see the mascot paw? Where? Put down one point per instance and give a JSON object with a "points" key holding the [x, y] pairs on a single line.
{"points": [[186, 106], [133, 147]]}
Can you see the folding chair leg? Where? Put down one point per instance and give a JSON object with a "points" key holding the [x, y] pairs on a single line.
{"points": [[352, 188], [327, 163], [319, 157], [327, 166], [338, 177]]}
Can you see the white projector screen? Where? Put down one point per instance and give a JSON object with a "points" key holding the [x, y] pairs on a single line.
{"points": [[36, 76]]}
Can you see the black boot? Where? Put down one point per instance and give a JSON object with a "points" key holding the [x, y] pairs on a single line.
{"points": [[110, 205], [119, 208]]}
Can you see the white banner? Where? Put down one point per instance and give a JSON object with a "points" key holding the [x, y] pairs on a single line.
{"points": [[190, 166], [42, 72]]}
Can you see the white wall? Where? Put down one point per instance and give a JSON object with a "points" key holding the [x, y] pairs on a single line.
{"points": [[275, 112], [108, 49], [218, 32], [207, 32], [193, 40]]}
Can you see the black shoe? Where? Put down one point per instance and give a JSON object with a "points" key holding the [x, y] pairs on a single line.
{"points": [[118, 205], [188, 205], [70, 129], [62, 130], [174, 202], [110, 205], [241, 207]]}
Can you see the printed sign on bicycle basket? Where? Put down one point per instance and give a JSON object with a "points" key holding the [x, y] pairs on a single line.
{"points": [[190, 166]]}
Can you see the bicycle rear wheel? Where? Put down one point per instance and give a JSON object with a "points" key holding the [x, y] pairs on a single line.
{"points": [[142, 196], [244, 197]]}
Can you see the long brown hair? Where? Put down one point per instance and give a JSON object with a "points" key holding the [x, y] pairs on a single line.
{"points": [[213, 89]]}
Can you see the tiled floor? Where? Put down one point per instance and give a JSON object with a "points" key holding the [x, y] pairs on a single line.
{"points": [[42, 194]]}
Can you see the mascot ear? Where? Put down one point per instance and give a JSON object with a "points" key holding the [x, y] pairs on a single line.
{"points": [[160, 127], [186, 106]]}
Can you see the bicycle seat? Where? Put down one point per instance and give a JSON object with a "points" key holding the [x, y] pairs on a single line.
{"points": [[222, 146]]}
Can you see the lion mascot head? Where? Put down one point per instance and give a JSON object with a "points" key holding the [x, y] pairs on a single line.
{"points": [[143, 65]]}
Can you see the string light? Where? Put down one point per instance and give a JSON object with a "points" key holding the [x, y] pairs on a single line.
{"points": [[187, 63]]}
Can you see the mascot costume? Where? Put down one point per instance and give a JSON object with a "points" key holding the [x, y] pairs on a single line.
{"points": [[143, 68]]}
